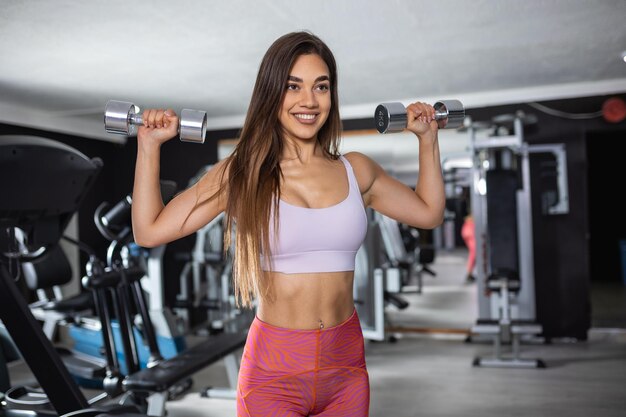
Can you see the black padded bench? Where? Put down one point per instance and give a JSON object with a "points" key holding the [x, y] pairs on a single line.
{"points": [[167, 373], [154, 383]]}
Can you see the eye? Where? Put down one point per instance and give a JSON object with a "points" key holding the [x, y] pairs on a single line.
{"points": [[292, 87], [323, 87]]}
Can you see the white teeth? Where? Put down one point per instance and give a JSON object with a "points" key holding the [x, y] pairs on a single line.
{"points": [[305, 116]]}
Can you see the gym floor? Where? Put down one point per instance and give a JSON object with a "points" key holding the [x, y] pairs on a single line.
{"points": [[430, 373]]}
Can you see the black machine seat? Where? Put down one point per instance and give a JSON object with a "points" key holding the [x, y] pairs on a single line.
{"points": [[504, 279], [167, 373], [49, 270]]}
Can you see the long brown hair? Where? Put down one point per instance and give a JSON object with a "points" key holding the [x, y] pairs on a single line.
{"points": [[254, 172]]}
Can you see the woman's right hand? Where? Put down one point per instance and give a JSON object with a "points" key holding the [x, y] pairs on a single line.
{"points": [[158, 127]]}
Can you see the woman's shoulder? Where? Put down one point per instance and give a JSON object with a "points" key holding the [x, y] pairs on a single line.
{"points": [[364, 168], [360, 161], [356, 158]]}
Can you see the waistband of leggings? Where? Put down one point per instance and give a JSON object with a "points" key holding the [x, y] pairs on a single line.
{"points": [[258, 322]]}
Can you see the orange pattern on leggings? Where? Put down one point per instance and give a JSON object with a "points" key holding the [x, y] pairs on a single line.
{"points": [[291, 372]]}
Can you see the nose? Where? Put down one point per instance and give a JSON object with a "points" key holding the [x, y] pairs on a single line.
{"points": [[309, 98]]}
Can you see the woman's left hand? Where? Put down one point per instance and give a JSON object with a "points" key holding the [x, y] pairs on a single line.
{"points": [[421, 120]]}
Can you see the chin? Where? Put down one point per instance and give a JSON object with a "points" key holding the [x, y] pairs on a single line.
{"points": [[308, 134]]}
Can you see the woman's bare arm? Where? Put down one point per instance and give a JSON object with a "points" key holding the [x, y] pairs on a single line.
{"points": [[422, 208], [153, 222]]}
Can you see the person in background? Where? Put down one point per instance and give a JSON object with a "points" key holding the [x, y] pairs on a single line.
{"points": [[468, 234]]}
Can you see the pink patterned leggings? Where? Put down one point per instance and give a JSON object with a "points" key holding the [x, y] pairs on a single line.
{"points": [[292, 372]]}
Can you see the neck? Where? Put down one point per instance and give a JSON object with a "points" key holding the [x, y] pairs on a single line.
{"points": [[301, 150]]}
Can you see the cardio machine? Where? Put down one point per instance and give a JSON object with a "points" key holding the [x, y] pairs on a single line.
{"points": [[44, 183]]}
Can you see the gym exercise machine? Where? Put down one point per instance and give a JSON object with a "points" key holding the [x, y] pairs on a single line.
{"points": [[205, 284], [411, 265], [206, 298], [369, 287], [47, 182], [114, 223], [44, 275], [382, 268], [501, 207], [43, 201]]}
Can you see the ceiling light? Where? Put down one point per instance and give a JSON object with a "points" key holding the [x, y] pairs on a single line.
{"points": [[624, 56]]}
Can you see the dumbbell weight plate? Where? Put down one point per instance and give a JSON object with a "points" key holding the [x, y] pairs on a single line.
{"points": [[390, 117], [119, 117], [192, 125], [449, 114]]}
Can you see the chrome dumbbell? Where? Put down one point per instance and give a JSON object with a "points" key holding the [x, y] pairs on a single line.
{"points": [[391, 117], [122, 117]]}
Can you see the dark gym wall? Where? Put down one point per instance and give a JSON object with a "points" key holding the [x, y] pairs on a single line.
{"points": [[607, 223]]}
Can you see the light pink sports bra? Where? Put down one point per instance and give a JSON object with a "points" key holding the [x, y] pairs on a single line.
{"points": [[313, 240]]}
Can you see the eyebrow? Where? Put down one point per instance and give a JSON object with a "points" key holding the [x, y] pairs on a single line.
{"points": [[318, 79]]}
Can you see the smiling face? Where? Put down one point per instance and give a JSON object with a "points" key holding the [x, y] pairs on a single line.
{"points": [[307, 99]]}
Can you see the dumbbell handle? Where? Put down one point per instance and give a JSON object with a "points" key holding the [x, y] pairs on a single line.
{"points": [[122, 117], [392, 117], [135, 119]]}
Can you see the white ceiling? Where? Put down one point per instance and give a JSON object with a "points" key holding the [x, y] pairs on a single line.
{"points": [[60, 61]]}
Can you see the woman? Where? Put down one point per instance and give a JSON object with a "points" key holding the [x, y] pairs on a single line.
{"points": [[468, 235], [299, 210]]}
